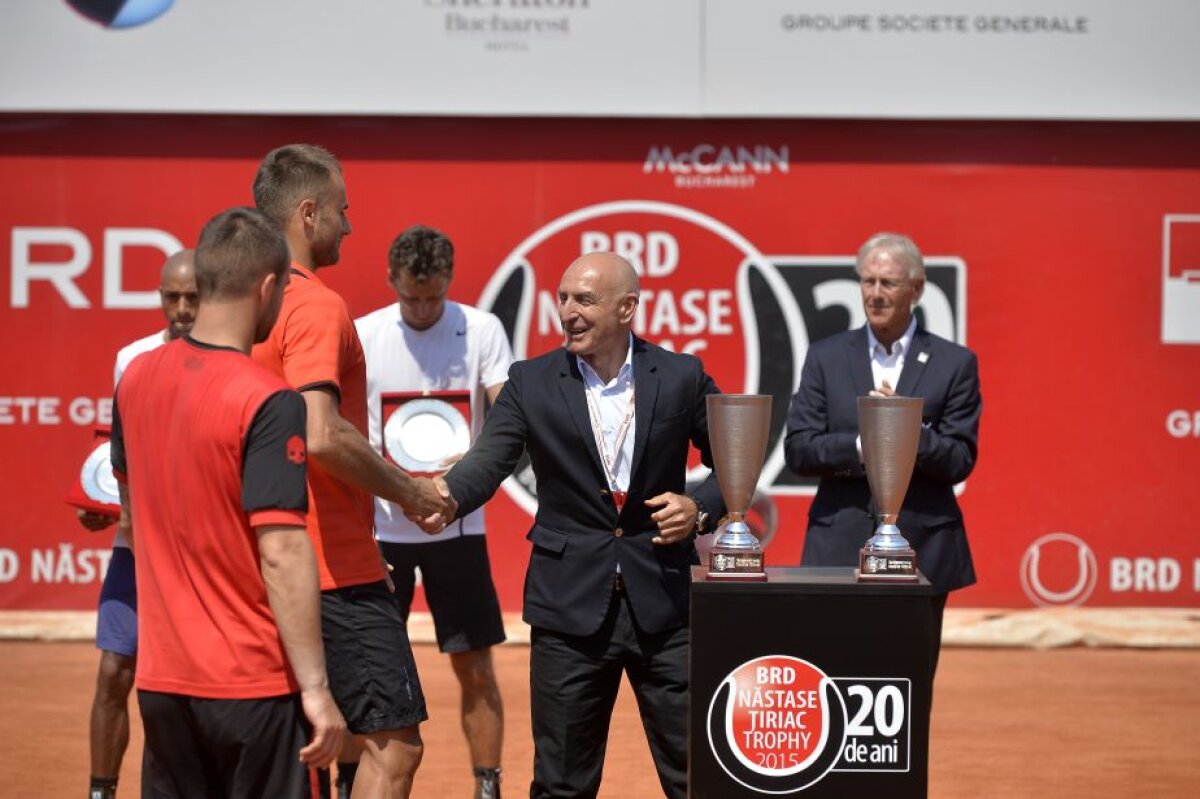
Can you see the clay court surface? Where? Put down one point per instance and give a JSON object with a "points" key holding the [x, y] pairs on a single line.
{"points": [[1006, 723]]}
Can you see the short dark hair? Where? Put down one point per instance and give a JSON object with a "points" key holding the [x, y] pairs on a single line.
{"points": [[422, 252], [237, 248], [290, 174]]}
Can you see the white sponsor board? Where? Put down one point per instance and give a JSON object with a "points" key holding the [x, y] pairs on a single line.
{"points": [[498, 57], [1024, 59], [1064, 59]]}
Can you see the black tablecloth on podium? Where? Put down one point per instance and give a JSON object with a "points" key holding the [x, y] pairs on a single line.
{"points": [[810, 684]]}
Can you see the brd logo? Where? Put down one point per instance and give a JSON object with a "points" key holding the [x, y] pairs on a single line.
{"points": [[704, 289], [777, 724]]}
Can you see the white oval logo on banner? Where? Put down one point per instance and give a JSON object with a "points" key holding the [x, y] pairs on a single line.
{"points": [[1078, 575], [700, 281]]}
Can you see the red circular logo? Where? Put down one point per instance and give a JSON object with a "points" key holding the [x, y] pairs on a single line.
{"points": [[776, 724]]}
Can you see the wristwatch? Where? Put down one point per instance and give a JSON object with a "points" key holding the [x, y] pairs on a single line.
{"points": [[701, 515]]}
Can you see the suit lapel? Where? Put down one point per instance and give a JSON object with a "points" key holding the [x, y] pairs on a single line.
{"points": [[570, 382], [645, 381], [860, 362], [915, 362]]}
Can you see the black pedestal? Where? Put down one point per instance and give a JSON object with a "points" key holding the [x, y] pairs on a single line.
{"points": [[837, 700]]}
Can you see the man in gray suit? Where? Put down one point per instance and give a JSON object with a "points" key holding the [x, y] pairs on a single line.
{"points": [[889, 355]]}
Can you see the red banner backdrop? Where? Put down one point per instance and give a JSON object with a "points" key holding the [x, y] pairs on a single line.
{"points": [[1064, 254]]}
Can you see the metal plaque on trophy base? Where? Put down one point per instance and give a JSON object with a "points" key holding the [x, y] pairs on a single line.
{"points": [[890, 428], [95, 488], [725, 563], [738, 426], [898, 565], [425, 431]]}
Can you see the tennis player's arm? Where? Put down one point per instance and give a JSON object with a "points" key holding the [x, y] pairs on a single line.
{"points": [[120, 466], [493, 391], [124, 524], [275, 499], [339, 449], [289, 571]]}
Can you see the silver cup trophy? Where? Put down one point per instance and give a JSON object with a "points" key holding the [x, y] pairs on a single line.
{"points": [[891, 430], [738, 426]]}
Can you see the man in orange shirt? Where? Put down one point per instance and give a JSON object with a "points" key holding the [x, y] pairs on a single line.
{"points": [[209, 447], [315, 348]]}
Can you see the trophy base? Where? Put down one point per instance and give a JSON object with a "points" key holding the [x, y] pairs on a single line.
{"points": [[735, 566], [887, 566]]}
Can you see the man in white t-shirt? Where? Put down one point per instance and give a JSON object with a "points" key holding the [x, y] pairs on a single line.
{"points": [[116, 618], [425, 342]]}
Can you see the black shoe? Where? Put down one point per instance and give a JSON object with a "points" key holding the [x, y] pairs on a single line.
{"points": [[487, 783], [103, 788]]}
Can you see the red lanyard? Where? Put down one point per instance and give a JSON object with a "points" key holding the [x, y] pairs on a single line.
{"points": [[609, 463]]}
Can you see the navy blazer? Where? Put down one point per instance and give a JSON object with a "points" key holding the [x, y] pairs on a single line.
{"points": [[821, 432], [578, 538]]}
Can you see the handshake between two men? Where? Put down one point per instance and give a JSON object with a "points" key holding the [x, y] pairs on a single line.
{"points": [[432, 507]]}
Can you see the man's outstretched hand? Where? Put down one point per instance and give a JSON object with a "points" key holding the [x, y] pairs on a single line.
{"points": [[433, 507]]}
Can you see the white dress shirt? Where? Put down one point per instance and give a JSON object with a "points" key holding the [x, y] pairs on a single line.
{"points": [[887, 365], [614, 401]]}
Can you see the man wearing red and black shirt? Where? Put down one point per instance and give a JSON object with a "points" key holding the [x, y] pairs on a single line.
{"points": [[314, 347], [210, 449]]}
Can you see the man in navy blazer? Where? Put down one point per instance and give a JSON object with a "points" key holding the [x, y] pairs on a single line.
{"points": [[889, 355], [607, 422]]}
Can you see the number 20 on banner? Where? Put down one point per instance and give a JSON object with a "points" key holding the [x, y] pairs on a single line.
{"points": [[878, 729]]}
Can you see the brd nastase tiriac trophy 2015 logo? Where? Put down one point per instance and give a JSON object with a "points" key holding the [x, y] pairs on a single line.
{"points": [[778, 724], [705, 290]]}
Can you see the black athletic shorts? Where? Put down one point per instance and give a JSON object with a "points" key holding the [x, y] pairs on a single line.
{"points": [[458, 586], [236, 748], [372, 674]]}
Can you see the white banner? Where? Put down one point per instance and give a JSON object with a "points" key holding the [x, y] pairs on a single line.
{"points": [[973, 59], [970, 59], [494, 57]]}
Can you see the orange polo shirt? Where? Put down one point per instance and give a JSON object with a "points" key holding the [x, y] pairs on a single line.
{"points": [[314, 344]]}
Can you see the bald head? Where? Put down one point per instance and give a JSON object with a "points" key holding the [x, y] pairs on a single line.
{"points": [[177, 291], [597, 297], [180, 265], [611, 271]]}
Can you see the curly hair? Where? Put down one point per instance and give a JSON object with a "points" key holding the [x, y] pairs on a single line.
{"points": [[422, 252]]}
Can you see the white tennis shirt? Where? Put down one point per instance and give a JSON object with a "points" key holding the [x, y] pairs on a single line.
{"points": [[466, 349], [125, 357]]}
